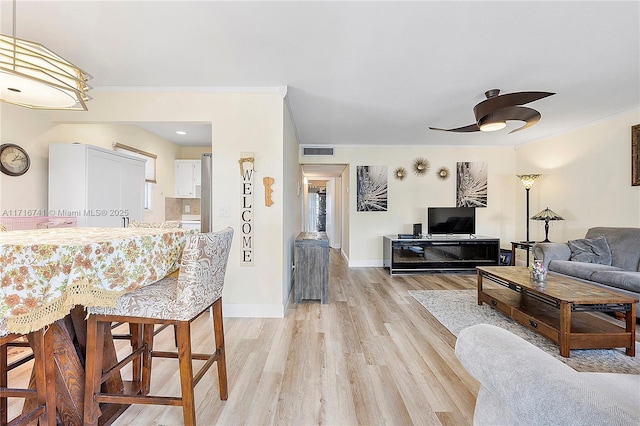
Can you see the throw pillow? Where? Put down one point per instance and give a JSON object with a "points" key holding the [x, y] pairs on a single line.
{"points": [[593, 250]]}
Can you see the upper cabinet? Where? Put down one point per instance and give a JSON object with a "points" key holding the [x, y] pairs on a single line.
{"points": [[99, 186], [188, 178]]}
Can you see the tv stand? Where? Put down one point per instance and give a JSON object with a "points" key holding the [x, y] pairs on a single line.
{"points": [[439, 253], [448, 236]]}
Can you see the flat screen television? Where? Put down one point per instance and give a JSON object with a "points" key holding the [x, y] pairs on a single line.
{"points": [[451, 220]]}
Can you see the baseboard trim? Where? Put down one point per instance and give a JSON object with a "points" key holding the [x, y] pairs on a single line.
{"points": [[371, 263], [253, 311]]}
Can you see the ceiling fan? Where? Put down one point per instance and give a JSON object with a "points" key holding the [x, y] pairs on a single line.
{"points": [[493, 113]]}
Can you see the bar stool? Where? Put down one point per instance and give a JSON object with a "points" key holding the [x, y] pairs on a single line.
{"points": [[135, 330], [44, 393], [6, 365], [168, 224], [176, 301]]}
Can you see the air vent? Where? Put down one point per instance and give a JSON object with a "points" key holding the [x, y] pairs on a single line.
{"points": [[316, 151]]}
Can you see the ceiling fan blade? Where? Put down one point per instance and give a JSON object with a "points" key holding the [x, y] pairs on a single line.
{"points": [[529, 115], [504, 101], [466, 129]]}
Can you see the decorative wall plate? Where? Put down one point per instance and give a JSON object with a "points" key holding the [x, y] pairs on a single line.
{"points": [[443, 173], [400, 173], [420, 166]]}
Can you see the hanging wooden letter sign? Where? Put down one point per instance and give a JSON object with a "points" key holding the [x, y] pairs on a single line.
{"points": [[246, 209]]}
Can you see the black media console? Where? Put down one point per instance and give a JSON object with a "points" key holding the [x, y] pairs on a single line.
{"points": [[439, 253]]}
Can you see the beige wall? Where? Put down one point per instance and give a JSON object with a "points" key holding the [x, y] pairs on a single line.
{"points": [[240, 122], [193, 152], [346, 209], [586, 178], [18, 125], [28, 129], [291, 198], [408, 199]]}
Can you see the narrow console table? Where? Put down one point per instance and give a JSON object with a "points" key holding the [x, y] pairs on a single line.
{"points": [[439, 253], [311, 276]]}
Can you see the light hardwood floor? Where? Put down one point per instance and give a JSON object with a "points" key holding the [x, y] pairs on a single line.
{"points": [[373, 355]]}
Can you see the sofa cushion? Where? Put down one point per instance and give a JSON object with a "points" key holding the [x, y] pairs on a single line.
{"points": [[591, 250], [617, 381], [626, 280], [522, 385], [580, 270], [624, 244]]}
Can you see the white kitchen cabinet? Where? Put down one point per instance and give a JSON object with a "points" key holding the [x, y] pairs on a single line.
{"points": [[188, 179], [98, 186]]}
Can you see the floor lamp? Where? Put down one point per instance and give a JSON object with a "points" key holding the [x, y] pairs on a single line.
{"points": [[527, 182]]}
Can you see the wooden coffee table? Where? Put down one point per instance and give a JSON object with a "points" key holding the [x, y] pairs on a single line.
{"points": [[560, 309]]}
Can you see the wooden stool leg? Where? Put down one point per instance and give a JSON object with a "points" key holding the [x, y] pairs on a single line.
{"points": [[219, 338], [36, 340], [4, 406], [93, 369], [136, 342], [50, 376], [183, 332], [147, 341]]}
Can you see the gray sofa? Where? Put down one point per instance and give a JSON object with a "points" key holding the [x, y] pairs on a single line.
{"points": [[521, 384], [608, 257]]}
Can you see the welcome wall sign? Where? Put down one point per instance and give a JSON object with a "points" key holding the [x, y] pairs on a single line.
{"points": [[246, 209]]}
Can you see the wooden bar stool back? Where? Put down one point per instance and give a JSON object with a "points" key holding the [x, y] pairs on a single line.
{"points": [[172, 300], [40, 403]]}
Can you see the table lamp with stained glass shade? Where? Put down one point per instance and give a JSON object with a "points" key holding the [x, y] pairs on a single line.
{"points": [[547, 215]]}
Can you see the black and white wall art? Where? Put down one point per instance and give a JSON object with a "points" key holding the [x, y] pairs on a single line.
{"points": [[471, 184], [372, 188]]}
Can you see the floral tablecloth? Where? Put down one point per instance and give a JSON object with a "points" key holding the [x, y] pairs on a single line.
{"points": [[45, 272]]}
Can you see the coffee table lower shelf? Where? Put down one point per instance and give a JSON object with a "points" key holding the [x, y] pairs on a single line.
{"points": [[587, 330]]}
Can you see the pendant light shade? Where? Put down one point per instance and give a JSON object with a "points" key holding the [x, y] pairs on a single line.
{"points": [[33, 76]]}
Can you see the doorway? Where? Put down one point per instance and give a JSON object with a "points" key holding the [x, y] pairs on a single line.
{"points": [[317, 206], [323, 200]]}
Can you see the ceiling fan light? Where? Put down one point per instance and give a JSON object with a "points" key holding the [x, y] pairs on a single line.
{"points": [[492, 127], [32, 76]]}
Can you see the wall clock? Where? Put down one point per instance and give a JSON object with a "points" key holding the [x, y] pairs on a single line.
{"points": [[14, 160]]}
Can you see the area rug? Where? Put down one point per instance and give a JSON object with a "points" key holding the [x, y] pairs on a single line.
{"points": [[459, 309]]}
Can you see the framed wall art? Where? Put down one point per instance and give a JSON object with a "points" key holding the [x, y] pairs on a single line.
{"points": [[635, 155], [471, 184], [372, 188]]}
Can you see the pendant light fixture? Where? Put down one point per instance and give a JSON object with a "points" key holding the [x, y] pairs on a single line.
{"points": [[33, 76]]}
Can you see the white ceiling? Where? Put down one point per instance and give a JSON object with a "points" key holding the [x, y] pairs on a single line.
{"points": [[374, 73], [196, 134]]}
